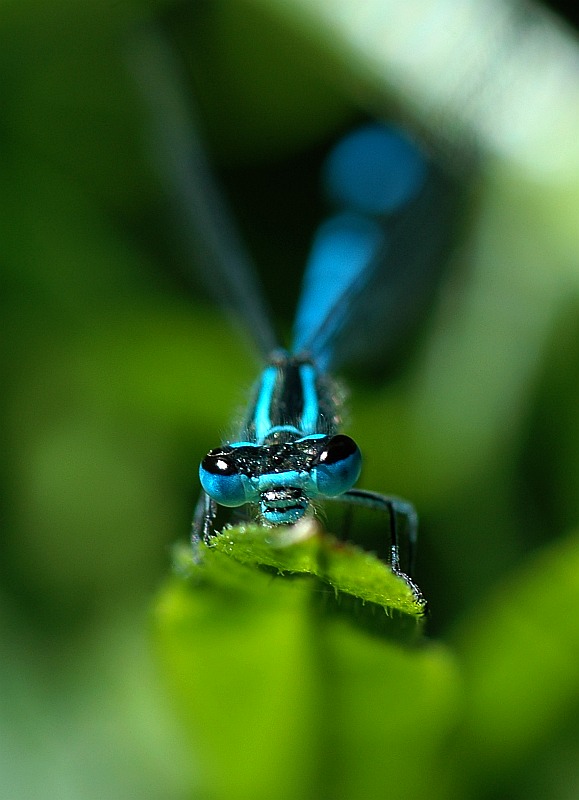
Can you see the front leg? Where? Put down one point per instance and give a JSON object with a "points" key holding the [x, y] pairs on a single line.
{"points": [[395, 507], [203, 527]]}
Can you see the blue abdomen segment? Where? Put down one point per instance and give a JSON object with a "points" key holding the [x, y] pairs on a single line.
{"points": [[343, 250], [370, 175], [376, 170]]}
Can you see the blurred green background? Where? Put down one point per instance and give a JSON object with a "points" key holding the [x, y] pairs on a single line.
{"points": [[118, 376]]}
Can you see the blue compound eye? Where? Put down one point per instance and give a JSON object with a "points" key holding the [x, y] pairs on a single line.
{"points": [[220, 478], [337, 468]]}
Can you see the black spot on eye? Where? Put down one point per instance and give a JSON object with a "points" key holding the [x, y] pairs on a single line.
{"points": [[338, 448], [219, 462]]}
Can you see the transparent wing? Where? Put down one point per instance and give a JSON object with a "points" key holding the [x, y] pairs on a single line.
{"points": [[217, 255]]}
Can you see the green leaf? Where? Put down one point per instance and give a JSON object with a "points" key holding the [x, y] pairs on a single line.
{"points": [[283, 688], [306, 549]]}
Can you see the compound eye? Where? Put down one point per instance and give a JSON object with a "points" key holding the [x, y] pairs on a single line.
{"points": [[220, 478], [337, 467], [339, 448], [219, 462]]}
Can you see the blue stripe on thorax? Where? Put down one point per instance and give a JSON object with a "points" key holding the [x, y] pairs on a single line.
{"points": [[262, 415], [311, 406], [301, 420]]}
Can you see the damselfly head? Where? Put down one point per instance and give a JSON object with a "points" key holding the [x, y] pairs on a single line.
{"points": [[282, 479]]}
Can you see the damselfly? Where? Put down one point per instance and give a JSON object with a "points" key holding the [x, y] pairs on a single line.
{"points": [[368, 264], [289, 454]]}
